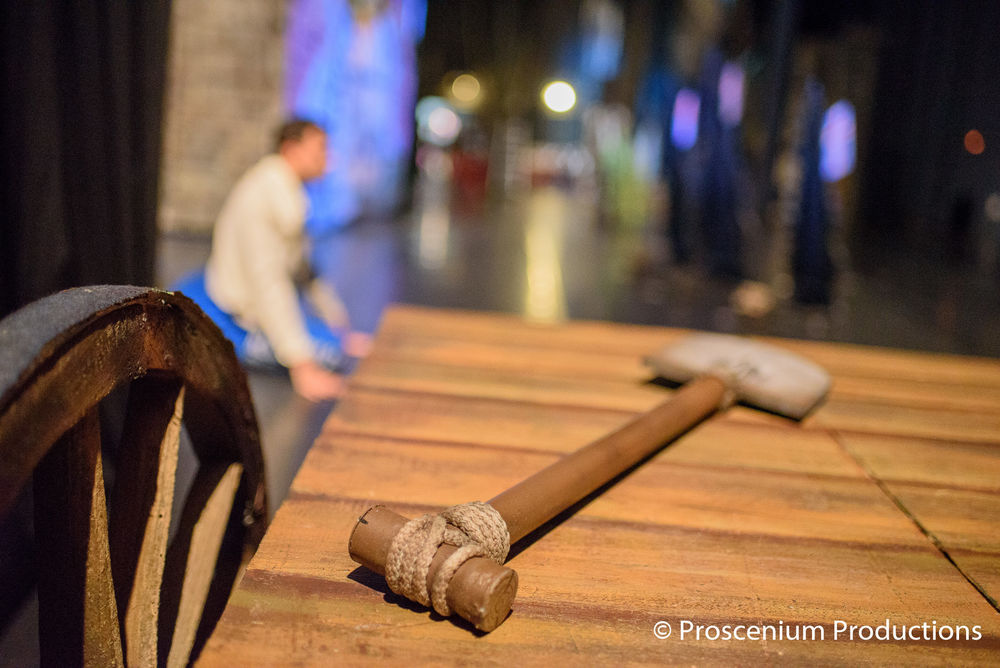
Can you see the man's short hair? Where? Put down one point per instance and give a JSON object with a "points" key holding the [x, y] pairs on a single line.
{"points": [[293, 129]]}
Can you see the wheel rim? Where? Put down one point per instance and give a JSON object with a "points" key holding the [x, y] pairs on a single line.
{"points": [[111, 589]]}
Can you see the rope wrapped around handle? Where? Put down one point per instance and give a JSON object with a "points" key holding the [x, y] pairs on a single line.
{"points": [[475, 528]]}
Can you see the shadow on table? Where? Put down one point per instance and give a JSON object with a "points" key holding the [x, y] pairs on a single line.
{"points": [[373, 580]]}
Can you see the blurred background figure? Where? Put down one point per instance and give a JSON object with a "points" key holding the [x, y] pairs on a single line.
{"points": [[258, 286], [721, 95], [811, 264]]}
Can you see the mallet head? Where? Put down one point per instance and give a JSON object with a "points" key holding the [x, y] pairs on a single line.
{"points": [[762, 375]]}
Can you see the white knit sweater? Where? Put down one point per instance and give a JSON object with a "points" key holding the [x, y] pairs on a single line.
{"points": [[258, 247]]}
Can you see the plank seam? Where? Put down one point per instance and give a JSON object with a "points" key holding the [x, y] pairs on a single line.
{"points": [[930, 440], [919, 525]]}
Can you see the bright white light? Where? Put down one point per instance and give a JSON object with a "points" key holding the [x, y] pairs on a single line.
{"points": [[437, 122], [444, 123], [559, 96]]}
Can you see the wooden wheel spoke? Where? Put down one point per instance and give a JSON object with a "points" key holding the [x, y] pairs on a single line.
{"points": [[141, 509], [78, 619], [191, 561]]}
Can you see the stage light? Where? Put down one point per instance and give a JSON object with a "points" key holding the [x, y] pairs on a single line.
{"points": [[684, 126], [466, 90], [838, 142], [974, 142], [559, 96], [444, 124], [437, 122]]}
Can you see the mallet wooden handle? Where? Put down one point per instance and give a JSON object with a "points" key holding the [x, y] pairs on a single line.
{"points": [[481, 591], [532, 502]]}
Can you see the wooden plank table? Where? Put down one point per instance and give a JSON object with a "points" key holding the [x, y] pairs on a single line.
{"points": [[882, 505]]}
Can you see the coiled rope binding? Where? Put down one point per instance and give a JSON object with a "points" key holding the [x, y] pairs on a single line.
{"points": [[475, 528]]}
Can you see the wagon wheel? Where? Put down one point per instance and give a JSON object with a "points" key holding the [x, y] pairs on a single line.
{"points": [[113, 585]]}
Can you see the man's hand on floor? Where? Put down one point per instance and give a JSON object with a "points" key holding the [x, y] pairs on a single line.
{"points": [[315, 383], [358, 344]]}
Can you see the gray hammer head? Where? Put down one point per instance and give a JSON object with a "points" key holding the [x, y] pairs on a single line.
{"points": [[760, 374]]}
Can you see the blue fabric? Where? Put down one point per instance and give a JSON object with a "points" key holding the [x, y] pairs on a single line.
{"points": [[252, 347]]}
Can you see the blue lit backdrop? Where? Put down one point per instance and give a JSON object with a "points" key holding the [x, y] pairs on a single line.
{"points": [[351, 67]]}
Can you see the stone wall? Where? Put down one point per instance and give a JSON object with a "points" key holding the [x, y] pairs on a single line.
{"points": [[223, 102]]}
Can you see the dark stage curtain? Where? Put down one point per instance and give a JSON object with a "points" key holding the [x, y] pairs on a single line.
{"points": [[80, 114], [937, 80]]}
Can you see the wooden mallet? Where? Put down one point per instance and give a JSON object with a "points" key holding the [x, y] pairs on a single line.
{"points": [[718, 370]]}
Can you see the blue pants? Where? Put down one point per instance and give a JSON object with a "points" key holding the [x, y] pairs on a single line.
{"points": [[252, 347]]}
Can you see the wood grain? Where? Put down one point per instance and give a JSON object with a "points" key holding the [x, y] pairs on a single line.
{"points": [[78, 618], [142, 503], [880, 506], [191, 561]]}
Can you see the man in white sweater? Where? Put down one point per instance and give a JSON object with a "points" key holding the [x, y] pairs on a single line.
{"points": [[257, 271]]}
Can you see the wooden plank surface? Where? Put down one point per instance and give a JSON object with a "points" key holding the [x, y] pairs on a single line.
{"points": [[883, 505]]}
